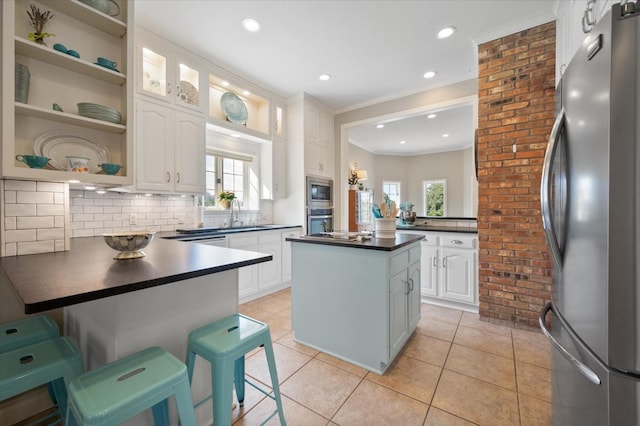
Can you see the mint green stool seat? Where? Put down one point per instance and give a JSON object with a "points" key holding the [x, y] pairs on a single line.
{"points": [[118, 391], [224, 344], [56, 361], [26, 332]]}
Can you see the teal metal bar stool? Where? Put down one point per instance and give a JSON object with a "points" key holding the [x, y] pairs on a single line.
{"points": [[224, 344], [55, 361], [124, 388], [27, 331]]}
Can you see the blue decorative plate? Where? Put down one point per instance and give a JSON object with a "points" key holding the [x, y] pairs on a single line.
{"points": [[234, 108]]}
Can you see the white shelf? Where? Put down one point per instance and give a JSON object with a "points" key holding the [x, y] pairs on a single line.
{"points": [[88, 15], [33, 50], [228, 128], [64, 117], [65, 176]]}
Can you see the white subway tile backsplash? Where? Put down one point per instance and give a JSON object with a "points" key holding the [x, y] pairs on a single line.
{"points": [[20, 210], [35, 222], [50, 187], [93, 209], [10, 222], [19, 235], [50, 209], [19, 185], [59, 245], [58, 198], [26, 197], [36, 247], [11, 249], [59, 221], [9, 196], [50, 234]]}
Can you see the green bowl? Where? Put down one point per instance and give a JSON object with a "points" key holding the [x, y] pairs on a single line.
{"points": [[110, 169]]}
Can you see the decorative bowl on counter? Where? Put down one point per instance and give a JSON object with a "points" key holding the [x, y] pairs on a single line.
{"points": [[129, 244]]}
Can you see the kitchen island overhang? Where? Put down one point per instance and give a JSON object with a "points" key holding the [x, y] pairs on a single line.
{"points": [[358, 300], [113, 308]]}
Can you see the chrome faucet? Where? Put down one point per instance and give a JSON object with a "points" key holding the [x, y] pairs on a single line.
{"points": [[231, 219]]}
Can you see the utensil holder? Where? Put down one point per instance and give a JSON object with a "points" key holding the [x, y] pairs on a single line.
{"points": [[23, 78], [385, 227]]}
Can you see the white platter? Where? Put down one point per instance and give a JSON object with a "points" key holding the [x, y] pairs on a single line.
{"points": [[58, 144]]}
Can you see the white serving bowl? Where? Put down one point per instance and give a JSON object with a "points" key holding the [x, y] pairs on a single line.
{"points": [[129, 244]]}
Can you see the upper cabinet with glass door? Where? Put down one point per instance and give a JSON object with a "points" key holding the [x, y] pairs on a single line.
{"points": [[238, 107], [165, 74]]}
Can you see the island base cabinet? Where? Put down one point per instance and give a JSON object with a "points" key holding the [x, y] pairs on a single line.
{"points": [[357, 305], [114, 327]]}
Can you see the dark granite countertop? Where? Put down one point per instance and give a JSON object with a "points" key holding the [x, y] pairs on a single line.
{"points": [[89, 272], [385, 244], [215, 231]]}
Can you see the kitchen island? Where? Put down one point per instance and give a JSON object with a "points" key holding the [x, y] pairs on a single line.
{"points": [[113, 308], [356, 300]]}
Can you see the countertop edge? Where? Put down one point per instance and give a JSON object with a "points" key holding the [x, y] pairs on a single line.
{"points": [[381, 244]]}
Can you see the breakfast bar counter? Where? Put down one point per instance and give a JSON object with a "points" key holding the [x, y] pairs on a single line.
{"points": [[88, 271], [113, 308]]}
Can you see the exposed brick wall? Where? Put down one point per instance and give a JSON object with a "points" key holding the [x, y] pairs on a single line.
{"points": [[516, 85]]}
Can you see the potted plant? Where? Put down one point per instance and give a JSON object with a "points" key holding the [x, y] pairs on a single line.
{"points": [[353, 179], [225, 198]]}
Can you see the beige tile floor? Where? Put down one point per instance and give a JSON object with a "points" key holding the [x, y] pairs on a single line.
{"points": [[454, 370]]}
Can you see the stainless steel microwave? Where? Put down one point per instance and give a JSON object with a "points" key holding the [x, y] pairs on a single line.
{"points": [[319, 192]]}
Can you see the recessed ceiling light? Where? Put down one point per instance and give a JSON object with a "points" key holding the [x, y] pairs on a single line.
{"points": [[429, 74], [403, 142], [446, 32], [325, 77], [251, 25], [246, 92], [432, 115], [379, 126], [445, 135], [225, 83]]}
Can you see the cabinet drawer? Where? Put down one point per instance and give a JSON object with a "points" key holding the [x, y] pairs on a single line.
{"points": [[290, 233], [430, 239], [458, 241], [398, 262]]}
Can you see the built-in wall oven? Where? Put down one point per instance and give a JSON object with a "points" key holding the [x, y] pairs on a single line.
{"points": [[319, 220], [319, 195]]}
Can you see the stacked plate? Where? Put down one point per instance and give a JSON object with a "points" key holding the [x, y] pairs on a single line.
{"points": [[99, 112]]}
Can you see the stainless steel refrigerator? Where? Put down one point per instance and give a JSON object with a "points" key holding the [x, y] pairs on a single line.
{"points": [[591, 212]]}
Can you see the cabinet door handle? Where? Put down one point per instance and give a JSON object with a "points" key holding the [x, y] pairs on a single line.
{"points": [[457, 242], [410, 284], [168, 177], [435, 262], [178, 177], [444, 262], [168, 88]]}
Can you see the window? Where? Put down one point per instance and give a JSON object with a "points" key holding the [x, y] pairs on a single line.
{"points": [[435, 197], [392, 189], [225, 173]]}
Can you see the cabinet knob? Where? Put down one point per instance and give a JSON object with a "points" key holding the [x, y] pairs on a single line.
{"points": [[168, 88]]}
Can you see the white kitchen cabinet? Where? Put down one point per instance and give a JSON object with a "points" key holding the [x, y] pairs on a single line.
{"points": [[165, 73], [270, 273], [458, 275], [449, 269], [248, 275], [318, 139], [265, 278], [170, 149], [286, 252], [57, 77]]}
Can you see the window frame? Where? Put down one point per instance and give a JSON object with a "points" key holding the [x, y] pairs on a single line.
{"points": [[218, 173], [398, 184], [427, 182]]}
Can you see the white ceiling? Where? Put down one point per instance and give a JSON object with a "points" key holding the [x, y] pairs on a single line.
{"points": [[374, 50]]}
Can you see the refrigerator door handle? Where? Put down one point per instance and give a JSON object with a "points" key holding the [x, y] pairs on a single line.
{"points": [[586, 371], [546, 187]]}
